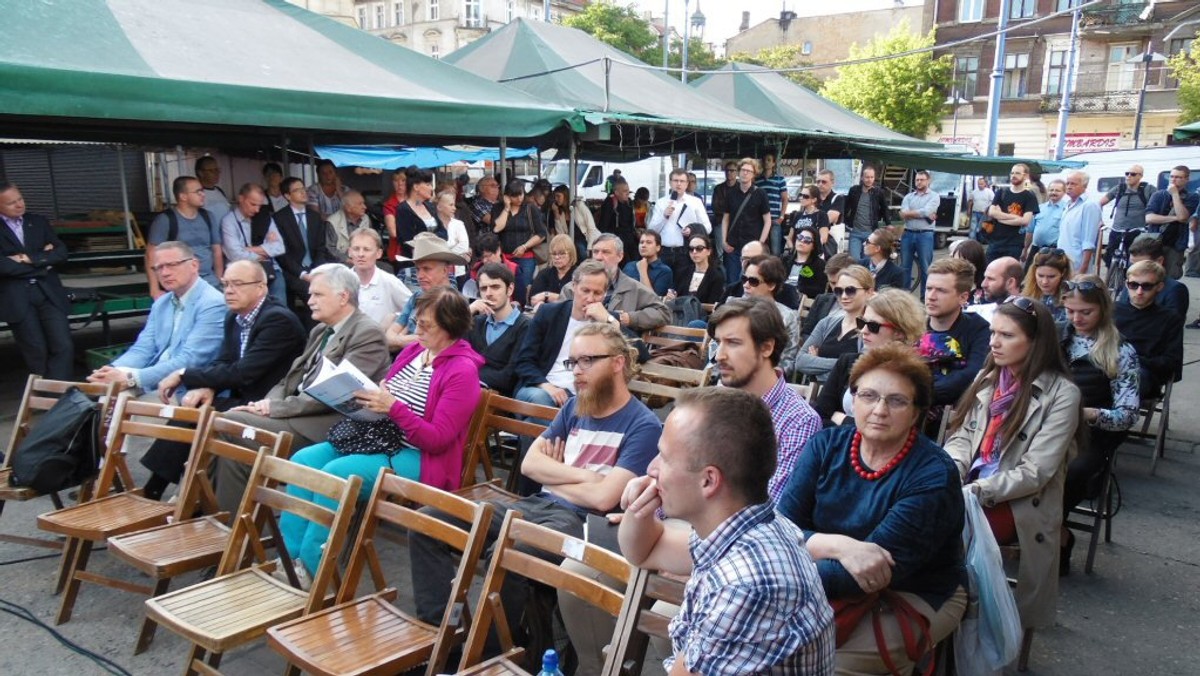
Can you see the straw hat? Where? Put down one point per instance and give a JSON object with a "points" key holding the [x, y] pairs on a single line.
{"points": [[427, 246]]}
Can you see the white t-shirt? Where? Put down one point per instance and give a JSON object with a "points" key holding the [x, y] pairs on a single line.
{"points": [[559, 376], [383, 297]]}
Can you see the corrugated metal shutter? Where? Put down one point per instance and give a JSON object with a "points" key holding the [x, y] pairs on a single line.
{"points": [[61, 181]]}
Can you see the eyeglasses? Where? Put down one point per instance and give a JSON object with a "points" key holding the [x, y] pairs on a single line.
{"points": [[238, 284], [1023, 304], [1133, 173], [871, 398], [1144, 286], [873, 326], [1086, 286], [584, 362], [169, 266], [1051, 251], [752, 281], [697, 249], [847, 291]]}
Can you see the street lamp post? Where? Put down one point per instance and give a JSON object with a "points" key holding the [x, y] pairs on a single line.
{"points": [[686, 24]]}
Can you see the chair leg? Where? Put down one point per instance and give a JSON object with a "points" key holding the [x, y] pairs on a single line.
{"points": [[1108, 512], [146, 635], [72, 589], [1026, 648], [195, 655], [70, 547], [291, 670]]}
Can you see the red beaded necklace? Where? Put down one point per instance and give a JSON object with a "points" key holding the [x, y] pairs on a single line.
{"points": [[856, 458]]}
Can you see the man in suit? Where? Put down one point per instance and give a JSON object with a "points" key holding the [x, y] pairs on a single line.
{"points": [[305, 241], [633, 306], [183, 329], [498, 327], [34, 302], [261, 339], [342, 332]]}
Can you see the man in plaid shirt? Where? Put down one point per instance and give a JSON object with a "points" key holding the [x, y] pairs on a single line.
{"points": [[750, 336], [754, 603]]}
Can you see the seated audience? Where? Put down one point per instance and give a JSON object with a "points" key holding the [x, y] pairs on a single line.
{"points": [[763, 276], [435, 264], [1174, 295], [344, 222], [837, 334], [1011, 436], [881, 508], [972, 252], [381, 296], [547, 286], [809, 265], [746, 566], [498, 329], [1045, 283], [1105, 369], [891, 316], [879, 247], [701, 276], [1154, 331], [734, 288], [634, 306], [955, 343], [1002, 279], [649, 269], [249, 234], [824, 303], [426, 400]]}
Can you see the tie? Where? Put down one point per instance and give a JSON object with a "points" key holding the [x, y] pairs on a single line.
{"points": [[300, 219], [314, 365]]}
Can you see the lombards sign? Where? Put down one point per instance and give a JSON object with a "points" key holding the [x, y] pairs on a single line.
{"points": [[1086, 143]]}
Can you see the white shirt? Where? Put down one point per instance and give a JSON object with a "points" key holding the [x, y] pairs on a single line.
{"points": [[383, 297], [559, 376], [689, 210], [456, 237]]}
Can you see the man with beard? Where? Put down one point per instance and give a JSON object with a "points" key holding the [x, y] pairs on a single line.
{"points": [[1001, 280], [598, 442], [498, 327]]}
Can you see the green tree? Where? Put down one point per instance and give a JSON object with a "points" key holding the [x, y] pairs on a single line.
{"points": [[621, 27], [1185, 66], [781, 56], [906, 94]]}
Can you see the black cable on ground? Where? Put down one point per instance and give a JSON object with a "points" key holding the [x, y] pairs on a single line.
{"points": [[23, 613], [30, 558]]}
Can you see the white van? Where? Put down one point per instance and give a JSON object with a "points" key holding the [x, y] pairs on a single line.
{"points": [[651, 173]]}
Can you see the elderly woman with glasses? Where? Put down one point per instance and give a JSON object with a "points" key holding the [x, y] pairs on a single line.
{"points": [[892, 316], [1045, 282], [838, 333], [881, 507], [1105, 369], [1012, 434]]}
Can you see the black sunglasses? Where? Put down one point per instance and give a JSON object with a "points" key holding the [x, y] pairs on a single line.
{"points": [[1144, 286], [752, 281], [1087, 286], [697, 248], [1023, 304], [873, 326], [1133, 173], [847, 291]]}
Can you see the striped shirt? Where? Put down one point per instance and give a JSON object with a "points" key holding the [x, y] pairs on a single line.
{"points": [[774, 186], [754, 603], [411, 385]]}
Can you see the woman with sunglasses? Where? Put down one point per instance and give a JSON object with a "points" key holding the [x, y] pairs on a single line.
{"points": [[881, 508], [878, 248], [701, 276], [1045, 281], [763, 277], [810, 269], [810, 216], [1105, 368], [892, 316], [1011, 436], [837, 334]]}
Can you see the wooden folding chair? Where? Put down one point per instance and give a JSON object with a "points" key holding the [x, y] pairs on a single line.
{"points": [[639, 621], [501, 414], [40, 396], [654, 395], [1157, 436], [675, 376], [807, 392], [670, 335], [190, 542], [507, 558], [243, 601], [369, 635], [806, 304], [112, 513]]}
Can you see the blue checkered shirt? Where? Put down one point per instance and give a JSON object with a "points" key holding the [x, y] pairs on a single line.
{"points": [[245, 324], [754, 603], [795, 423]]}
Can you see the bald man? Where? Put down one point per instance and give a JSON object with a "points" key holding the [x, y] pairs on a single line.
{"points": [[1002, 279]]}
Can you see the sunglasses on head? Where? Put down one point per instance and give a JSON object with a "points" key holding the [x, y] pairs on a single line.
{"points": [[695, 249], [1023, 304], [847, 291], [1051, 251], [873, 326], [752, 281], [1086, 286], [1144, 286]]}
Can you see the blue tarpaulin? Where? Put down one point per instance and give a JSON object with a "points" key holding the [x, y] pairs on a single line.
{"points": [[395, 157]]}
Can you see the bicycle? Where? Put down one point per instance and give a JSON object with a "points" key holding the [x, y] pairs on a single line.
{"points": [[1118, 263]]}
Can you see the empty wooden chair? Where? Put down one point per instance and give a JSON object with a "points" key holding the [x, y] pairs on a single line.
{"points": [[244, 600], [501, 414], [369, 635], [507, 559], [112, 513], [190, 542], [40, 396], [639, 621]]}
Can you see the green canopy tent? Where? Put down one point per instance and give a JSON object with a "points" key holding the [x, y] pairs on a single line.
{"points": [[1188, 132], [230, 72]]}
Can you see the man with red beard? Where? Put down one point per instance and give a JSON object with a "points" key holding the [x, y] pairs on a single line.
{"points": [[600, 440]]}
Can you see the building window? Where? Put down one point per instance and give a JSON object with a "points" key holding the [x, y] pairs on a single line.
{"points": [[1064, 5], [1056, 71], [970, 10], [1016, 76], [433, 11], [471, 15], [806, 48], [362, 18], [1178, 45], [398, 13], [966, 70], [1022, 9], [435, 51], [380, 21], [1120, 74], [1006, 149]]}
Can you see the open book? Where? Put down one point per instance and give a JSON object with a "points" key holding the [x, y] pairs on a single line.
{"points": [[335, 386]]}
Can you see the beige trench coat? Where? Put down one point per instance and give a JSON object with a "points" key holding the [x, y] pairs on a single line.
{"points": [[1032, 469]]}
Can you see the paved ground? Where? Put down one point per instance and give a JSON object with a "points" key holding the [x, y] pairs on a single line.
{"points": [[1139, 613]]}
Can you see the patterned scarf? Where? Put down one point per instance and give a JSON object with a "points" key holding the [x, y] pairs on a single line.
{"points": [[1002, 400]]}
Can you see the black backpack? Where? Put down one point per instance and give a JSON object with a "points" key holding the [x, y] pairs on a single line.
{"points": [[1123, 190], [173, 223], [63, 449]]}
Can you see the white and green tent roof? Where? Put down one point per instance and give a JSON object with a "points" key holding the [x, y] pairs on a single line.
{"points": [[96, 68]]}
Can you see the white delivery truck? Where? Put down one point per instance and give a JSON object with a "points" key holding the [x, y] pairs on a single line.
{"points": [[651, 173]]}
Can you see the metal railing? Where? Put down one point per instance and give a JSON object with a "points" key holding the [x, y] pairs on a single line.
{"points": [[1118, 15]]}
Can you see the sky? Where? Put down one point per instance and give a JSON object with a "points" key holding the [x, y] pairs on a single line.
{"points": [[724, 16]]}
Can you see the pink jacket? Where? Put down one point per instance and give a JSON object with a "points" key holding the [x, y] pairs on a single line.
{"points": [[453, 395]]}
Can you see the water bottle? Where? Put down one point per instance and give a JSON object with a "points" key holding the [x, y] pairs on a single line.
{"points": [[550, 664]]}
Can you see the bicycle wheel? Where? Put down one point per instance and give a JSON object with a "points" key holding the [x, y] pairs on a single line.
{"points": [[1116, 274]]}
